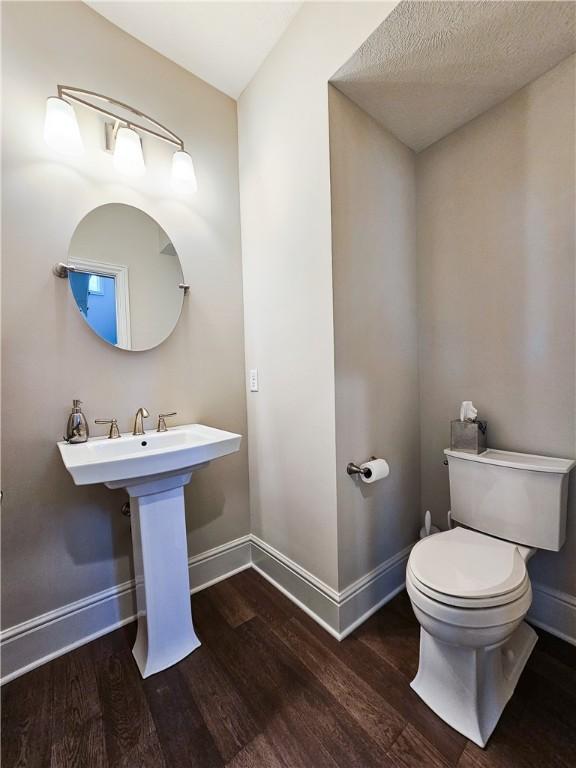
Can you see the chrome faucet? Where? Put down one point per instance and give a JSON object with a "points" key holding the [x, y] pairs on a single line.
{"points": [[114, 432], [141, 414], [162, 421]]}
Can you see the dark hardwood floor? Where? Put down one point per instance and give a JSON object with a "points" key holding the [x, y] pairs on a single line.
{"points": [[270, 689]]}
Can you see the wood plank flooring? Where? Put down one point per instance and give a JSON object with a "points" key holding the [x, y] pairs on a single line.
{"points": [[269, 688]]}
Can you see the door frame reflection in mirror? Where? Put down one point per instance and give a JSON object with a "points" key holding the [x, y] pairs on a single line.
{"points": [[120, 274]]}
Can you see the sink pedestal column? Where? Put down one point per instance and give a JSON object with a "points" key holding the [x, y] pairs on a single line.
{"points": [[165, 630]]}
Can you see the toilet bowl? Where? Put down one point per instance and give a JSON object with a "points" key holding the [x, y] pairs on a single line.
{"points": [[470, 593], [469, 586]]}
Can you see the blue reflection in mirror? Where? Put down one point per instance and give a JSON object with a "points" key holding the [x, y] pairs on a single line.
{"points": [[96, 299]]}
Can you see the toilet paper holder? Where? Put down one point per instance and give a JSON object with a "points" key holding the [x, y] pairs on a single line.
{"points": [[354, 469]]}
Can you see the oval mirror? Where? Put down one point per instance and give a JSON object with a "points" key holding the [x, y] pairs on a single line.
{"points": [[125, 276]]}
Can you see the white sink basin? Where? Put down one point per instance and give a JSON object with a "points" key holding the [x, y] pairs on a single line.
{"points": [[154, 468], [101, 460]]}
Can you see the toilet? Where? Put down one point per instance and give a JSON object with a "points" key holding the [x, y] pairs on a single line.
{"points": [[470, 588]]}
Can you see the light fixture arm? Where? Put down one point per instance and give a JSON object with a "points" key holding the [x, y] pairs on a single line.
{"points": [[70, 93]]}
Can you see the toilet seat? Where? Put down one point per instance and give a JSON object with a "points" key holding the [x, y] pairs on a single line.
{"points": [[471, 603], [467, 569], [449, 616]]}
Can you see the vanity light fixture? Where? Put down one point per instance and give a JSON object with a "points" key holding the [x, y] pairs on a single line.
{"points": [[62, 133]]}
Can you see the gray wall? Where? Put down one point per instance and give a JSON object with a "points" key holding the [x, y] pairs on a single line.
{"points": [[61, 543], [376, 336], [496, 251], [287, 278]]}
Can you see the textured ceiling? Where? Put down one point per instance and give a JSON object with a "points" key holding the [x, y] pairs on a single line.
{"points": [[432, 66], [223, 43]]}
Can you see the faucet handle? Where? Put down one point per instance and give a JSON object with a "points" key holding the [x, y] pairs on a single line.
{"points": [[114, 431], [161, 421]]}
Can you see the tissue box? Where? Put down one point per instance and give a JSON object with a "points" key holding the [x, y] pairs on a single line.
{"points": [[468, 436]]}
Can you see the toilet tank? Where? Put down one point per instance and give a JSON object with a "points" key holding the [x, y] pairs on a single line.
{"points": [[515, 496]]}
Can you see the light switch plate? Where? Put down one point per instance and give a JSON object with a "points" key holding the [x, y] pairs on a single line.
{"points": [[253, 379]]}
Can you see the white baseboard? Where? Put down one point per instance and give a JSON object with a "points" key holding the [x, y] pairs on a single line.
{"points": [[219, 563], [554, 612], [315, 597], [43, 638], [367, 595], [338, 612]]}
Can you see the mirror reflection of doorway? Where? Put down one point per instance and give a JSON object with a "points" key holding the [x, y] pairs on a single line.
{"points": [[96, 299], [101, 294]]}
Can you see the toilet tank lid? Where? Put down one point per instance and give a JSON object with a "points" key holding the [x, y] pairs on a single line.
{"points": [[517, 460]]}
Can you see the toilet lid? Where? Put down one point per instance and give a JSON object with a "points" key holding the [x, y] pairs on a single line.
{"points": [[468, 564]]}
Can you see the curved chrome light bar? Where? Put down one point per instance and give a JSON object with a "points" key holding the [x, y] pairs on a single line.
{"points": [[123, 139], [70, 93]]}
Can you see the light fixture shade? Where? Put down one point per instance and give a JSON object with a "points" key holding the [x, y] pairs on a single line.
{"points": [[128, 157], [183, 174], [61, 131]]}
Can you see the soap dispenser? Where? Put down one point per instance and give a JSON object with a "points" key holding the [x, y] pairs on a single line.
{"points": [[77, 427]]}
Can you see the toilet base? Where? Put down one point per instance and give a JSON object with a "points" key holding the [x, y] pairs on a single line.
{"points": [[469, 687]]}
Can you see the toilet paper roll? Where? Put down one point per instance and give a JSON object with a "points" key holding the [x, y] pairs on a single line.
{"points": [[378, 469]]}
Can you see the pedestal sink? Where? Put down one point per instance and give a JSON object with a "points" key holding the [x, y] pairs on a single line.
{"points": [[154, 468]]}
